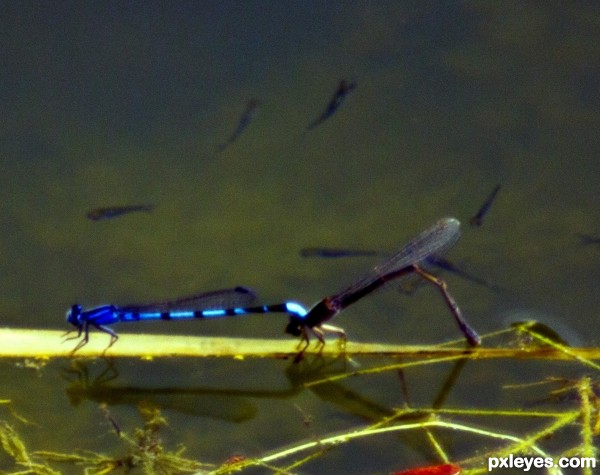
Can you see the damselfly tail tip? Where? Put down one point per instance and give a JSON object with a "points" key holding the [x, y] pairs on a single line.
{"points": [[240, 289]]}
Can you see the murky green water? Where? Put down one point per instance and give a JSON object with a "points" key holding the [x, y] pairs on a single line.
{"points": [[110, 104]]}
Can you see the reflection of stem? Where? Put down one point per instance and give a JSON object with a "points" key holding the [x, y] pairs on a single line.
{"points": [[393, 367]]}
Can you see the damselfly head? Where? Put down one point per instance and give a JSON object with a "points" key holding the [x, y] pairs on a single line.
{"points": [[74, 315]]}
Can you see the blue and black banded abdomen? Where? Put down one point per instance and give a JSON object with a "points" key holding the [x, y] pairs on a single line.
{"points": [[131, 315]]}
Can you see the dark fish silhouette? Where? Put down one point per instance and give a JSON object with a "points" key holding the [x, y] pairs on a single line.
{"points": [[586, 239], [477, 220], [247, 117], [332, 252], [445, 264], [434, 261], [114, 211], [343, 90]]}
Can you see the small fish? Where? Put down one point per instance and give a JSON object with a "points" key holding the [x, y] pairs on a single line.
{"points": [[247, 117], [477, 220], [445, 264], [343, 90], [114, 211], [435, 261], [331, 252], [586, 239]]}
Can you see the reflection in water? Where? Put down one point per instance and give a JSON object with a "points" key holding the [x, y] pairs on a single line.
{"points": [[225, 405], [233, 405]]}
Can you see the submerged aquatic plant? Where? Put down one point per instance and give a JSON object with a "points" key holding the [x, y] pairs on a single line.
{"points": [[145, 451]]}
